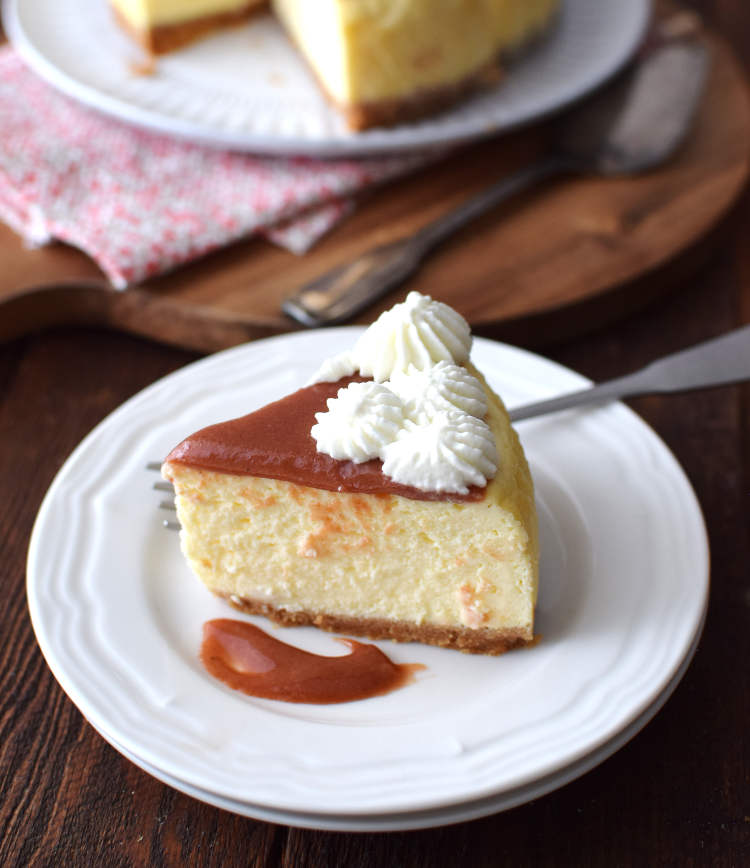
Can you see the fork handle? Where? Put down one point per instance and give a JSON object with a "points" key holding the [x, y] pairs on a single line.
{"points": [[348, 289], [716, 362]]}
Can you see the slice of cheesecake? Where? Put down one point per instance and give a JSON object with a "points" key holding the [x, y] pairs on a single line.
{"points": [[279, 528], [380, 62]]}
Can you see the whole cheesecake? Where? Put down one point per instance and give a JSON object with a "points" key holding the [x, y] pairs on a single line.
{"points": [[279, 527], [379, 61]]}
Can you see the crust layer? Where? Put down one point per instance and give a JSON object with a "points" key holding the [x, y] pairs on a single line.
{"points": [[388, 113], [472, 641], [170, 37]]}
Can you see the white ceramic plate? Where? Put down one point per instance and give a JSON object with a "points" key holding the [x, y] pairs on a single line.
{"points": [[458, 813], [118, 615], [247, 88]]}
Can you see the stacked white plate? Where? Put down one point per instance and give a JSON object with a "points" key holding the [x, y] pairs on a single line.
{"points": [[624, 586]]}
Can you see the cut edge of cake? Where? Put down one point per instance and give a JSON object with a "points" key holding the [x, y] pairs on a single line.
{"points": [[418, 103]]}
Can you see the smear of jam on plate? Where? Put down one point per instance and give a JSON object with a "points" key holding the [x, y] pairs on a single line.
{"points": [[247, 659]]}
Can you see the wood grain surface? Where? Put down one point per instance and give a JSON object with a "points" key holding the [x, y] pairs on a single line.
{"points": [[554, 263], [677, 795]]}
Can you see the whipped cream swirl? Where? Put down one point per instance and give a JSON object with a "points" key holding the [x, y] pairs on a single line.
{"points": [[441, 389], [423, 416], [417, 333], [361, 420], [449, 453]]}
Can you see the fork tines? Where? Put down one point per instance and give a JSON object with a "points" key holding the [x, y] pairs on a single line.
{"points": [[168, 505]]}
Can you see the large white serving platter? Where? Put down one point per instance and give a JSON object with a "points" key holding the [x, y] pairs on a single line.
{"points": [[623, 591], [247, 88]]}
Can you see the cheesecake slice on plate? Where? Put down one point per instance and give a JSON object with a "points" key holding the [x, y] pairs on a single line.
{"points": [[390, 498]]}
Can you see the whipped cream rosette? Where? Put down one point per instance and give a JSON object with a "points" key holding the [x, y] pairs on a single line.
{"points": [[360, 421], [423, 416], [417, 333], [444, 388], [449, 453]]}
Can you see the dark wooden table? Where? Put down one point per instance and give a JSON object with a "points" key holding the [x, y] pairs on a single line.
{"points": [[677, 794]]}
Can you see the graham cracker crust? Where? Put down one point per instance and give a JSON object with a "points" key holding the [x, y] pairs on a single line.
{"points": [[429, 101], [466, 639], [388, 113], [170, 37]]}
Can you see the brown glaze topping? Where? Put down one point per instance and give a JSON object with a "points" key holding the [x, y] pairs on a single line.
{"points": [[275, 442], [247, 659]]}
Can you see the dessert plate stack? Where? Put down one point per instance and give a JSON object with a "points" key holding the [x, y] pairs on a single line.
{"points": [[624, 586]]}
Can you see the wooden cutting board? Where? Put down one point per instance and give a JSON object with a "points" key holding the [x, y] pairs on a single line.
{"points": [[547, 266]]}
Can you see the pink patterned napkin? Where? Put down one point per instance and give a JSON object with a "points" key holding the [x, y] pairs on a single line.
{"points": [[140, 203]]}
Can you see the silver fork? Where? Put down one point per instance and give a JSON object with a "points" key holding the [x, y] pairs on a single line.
{"points": [[716, 362], [163, 485], [634, 124]]}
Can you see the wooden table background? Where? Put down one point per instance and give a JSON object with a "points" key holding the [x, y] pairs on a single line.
{"points": [[677, 794]]}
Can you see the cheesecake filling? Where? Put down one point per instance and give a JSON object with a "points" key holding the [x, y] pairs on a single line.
{"points": [[145, 15], [368, 52]]}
